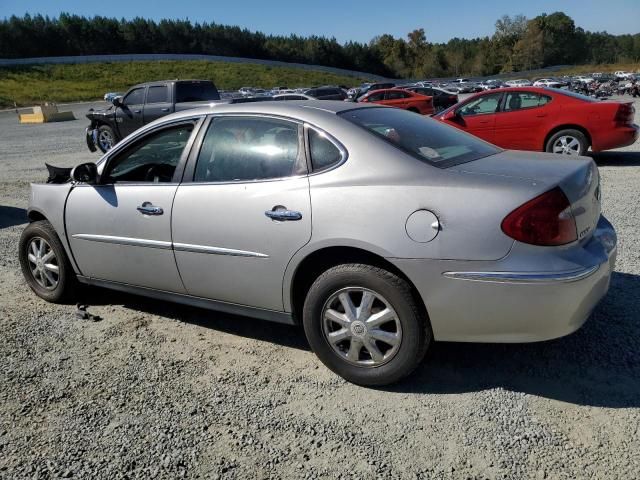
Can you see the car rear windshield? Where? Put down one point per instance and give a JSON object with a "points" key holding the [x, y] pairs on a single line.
{"points": [[196, 92], [579, 96], [425, 139]]}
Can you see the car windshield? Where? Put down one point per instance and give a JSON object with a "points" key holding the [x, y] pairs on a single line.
{"points": [[423, 138]]}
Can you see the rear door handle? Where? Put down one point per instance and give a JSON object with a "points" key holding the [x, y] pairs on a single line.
{"points": [[283, 215], [148, 208], [164, 109], [137, 111]]}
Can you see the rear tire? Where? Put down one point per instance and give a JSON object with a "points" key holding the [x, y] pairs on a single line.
{"points": [[383, 338], [568, 142], [45, 264], [106, 138]]}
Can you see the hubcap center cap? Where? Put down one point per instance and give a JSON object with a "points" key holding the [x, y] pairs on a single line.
{"points": [[358, 329]]}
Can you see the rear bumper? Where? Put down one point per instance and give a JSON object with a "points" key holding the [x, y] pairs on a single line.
{"points": [[532, 294], [618, 138]]}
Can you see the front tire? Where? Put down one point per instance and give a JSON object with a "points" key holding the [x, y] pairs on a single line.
{"points": [[44, 263], [568, 142], [364, 324], [106, 138]]}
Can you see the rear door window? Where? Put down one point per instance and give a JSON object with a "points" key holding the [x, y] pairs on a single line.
{"points": [[158, 94], [522, 100], [237, 149]]}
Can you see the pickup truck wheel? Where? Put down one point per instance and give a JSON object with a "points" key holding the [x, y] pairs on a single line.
{"points": [[364, 324], [106, 138], [44, 262]]}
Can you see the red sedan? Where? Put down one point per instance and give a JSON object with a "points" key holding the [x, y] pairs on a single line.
{"points": [[395, 97], [543, 119]]}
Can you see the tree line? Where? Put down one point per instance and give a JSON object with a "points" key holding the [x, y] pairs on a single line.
{"points": [[517, 44]]}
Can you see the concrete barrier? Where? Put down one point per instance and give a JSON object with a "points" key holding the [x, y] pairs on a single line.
{"points": [[45, 114]]}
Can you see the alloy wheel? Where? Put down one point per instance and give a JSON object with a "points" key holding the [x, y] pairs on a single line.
{"points": [[361, 327], [567, 145], [43, 263], [105, 139]]}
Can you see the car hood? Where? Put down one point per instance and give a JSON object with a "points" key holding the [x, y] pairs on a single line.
{"points": [[100, 112]]}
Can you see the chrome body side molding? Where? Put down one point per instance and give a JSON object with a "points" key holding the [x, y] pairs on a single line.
{"points": [[232, 308], [183, 247], [524, 277], [187, 247], [136, 242]]}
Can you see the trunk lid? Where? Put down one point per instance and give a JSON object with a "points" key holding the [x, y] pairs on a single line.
{"points": [[578, 178]]}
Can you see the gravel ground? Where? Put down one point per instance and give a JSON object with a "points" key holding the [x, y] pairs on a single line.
{"points": [[156, 390]]}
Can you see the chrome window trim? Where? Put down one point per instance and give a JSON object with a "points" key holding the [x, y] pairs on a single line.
{"points": [[525, 277]]}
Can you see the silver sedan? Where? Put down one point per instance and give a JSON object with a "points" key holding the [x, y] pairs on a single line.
{"points": [[376, 229]]}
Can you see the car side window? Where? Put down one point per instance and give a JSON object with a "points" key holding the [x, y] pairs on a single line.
{"points": [[324, 153], [134, 97], [153, 159], [237, 149], [158, 94], [481, 106], [393, 95], [522, 100], [376, 97]]}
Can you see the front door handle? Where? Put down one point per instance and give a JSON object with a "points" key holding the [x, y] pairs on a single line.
{"points": [[148, 208], [282, 214], [164, 109]]}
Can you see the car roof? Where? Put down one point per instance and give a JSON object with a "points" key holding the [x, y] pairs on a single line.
{"points": [[164, 82], [300, 109]]}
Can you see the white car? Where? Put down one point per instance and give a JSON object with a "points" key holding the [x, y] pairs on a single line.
{"points": [[622, 74], [583, 79], [547, 82], [520, 82]]}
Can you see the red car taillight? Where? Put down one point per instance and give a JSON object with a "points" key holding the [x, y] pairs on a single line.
{"points": [[545, 220], [625, 114]]}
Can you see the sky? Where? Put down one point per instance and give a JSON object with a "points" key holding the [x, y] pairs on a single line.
{"points": [[350, 20]]}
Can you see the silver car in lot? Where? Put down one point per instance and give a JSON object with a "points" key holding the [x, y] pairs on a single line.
{"points": [[376, 229]]}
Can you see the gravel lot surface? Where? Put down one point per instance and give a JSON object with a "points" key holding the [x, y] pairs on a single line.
{"points": [[156, 390]]}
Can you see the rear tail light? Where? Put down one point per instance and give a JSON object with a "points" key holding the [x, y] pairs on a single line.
{"points": [[545, 220], [454, 98], [625, 114]]}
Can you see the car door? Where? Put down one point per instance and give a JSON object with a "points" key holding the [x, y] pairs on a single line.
{"points": [[477, 116], [129, 116], [120, 229], [396, 98], [243, 210], [158, 103], [522, 121]]}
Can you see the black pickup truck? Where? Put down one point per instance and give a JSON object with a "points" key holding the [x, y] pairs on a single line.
{"points": [[143, 104]]}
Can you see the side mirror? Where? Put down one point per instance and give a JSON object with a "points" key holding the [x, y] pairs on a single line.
{"points": [[85, 173], [117, 101], [451, 115]]}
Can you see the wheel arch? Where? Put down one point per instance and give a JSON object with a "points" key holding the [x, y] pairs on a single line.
{"points": [[320, 260], [35, 215], [568, 126]]}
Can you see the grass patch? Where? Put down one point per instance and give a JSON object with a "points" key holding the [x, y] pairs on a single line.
{"points": [[34, 84], [593, 68]]}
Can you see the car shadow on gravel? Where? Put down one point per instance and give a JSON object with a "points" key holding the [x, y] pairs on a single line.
{"points": [[616, 159], [11, 216], [277, 333], [599, 365]]}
